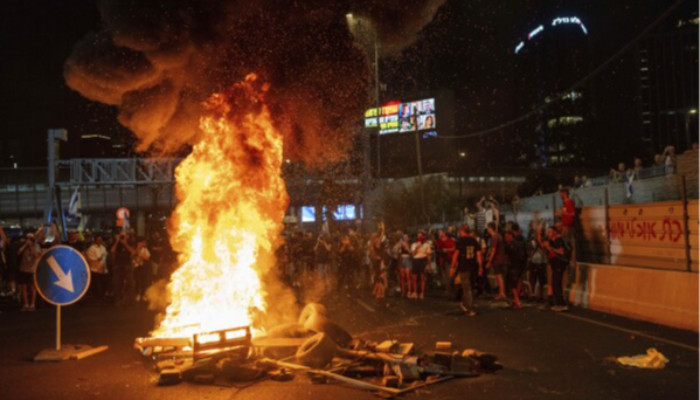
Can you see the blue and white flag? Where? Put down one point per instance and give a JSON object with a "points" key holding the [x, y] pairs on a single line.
{"points": [[75, 206], [628, 184]]}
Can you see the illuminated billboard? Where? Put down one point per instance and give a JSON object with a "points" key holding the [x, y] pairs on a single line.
{"points": [[396, 117], [344, 212], [308, 214]]}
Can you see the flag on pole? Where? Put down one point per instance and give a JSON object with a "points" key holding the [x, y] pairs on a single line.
{"points": [[628, 184], [75, 206]]}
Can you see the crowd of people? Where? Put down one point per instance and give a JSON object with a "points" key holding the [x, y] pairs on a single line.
{"points": [[445, 261], [665, 160], [122, 265]]}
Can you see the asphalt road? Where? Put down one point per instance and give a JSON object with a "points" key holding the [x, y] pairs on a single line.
{"points": [[545, 355]]}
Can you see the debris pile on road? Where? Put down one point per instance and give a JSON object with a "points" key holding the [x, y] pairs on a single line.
{"points": [[316, 346]]}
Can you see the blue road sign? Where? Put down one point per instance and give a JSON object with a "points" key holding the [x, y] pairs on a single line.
{"points": [[62, 275]]}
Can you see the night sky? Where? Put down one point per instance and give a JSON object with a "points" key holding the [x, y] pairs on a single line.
{"points": [[466, 48]]}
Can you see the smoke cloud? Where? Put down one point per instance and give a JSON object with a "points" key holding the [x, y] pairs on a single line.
{"points": [[158, 61]]}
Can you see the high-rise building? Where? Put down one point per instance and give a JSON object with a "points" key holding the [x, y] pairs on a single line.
{"points": [[668, 85], [549, 60]]}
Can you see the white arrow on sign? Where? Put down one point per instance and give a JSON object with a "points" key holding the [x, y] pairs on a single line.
{"points": [[64, 280]]}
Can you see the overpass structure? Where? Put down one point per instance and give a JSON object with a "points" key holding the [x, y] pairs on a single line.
{"points": [[143, 185], [104, 184]]}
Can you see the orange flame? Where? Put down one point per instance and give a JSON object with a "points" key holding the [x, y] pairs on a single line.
{"points": [[231, 202]]}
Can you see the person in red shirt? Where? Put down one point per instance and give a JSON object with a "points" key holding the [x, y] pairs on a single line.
{"points": [[568, 218], [445, 248]]}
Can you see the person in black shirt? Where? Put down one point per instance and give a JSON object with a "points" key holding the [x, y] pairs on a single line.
{"points": [[123, 284], [466, 261], [557, 252], [517, 256]]}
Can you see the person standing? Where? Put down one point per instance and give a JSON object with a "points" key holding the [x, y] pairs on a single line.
{"points": [[123, 269], [421, 251], [346, 255], [375, 257], [537, 262], [467, 262], [29, 253], [403, 248], [568, 219], [492, 212], [157, 247], [480, 217], [140, 258], [558, 259], [515, 250], [322, 251], [497, 259], [480, 283], [96, 256], [445, 248]]}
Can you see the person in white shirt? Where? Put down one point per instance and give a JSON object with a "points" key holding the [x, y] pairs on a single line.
{"points": [[421, 252], [140, 257], [28, 254], [96, 256]]}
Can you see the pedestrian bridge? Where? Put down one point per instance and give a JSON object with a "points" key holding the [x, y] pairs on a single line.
{"points": [[139, 184]]}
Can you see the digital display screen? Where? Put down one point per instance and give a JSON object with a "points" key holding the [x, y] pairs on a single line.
{"points": [[308, 214], [402, 117], [344, 213]]}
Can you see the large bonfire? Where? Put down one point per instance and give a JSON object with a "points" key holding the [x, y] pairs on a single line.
{"points": [[231, 202]]}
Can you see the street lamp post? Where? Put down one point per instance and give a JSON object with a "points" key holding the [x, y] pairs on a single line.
{"points": [[362, 30]]}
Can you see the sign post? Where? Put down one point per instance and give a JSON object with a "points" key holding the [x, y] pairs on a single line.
{"points": [[62, 278]]}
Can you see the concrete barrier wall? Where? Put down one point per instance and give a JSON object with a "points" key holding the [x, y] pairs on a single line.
{"points": [[660, 296], [648, 235], [633, 260]]}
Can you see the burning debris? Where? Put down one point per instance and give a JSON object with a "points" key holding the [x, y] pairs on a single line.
{"points": [[243, 84], [315, 346], [231, 201]]}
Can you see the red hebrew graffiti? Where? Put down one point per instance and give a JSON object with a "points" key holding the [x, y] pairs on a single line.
{"points": [[671, 230]]}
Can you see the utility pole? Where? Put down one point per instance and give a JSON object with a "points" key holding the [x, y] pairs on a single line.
{"points": [[419, 164], [54, 135], [362, 28], [376, 99]]}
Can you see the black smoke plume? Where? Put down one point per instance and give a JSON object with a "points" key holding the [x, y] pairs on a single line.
{"points": [[157, 61]]}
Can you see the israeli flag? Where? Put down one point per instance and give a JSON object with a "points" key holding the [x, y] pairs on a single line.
{"points": [[75, 206], [628, 184]]}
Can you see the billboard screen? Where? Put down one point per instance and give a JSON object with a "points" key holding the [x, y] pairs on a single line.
{"points": [[308, 214], [344, 212], [399, 117]]}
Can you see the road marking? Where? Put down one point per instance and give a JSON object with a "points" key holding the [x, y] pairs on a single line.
{"points": [[365, 305], [630, 331]]}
